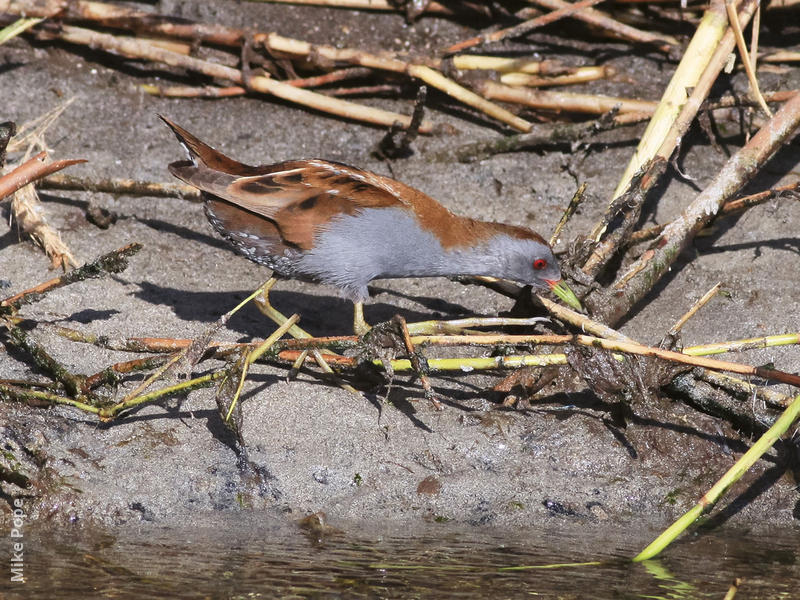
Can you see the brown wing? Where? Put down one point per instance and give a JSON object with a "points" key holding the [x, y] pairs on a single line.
{"points": [[299, 197]]}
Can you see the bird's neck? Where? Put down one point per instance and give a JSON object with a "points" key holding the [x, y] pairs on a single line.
{"points": [[459, 246], [480, 258]]}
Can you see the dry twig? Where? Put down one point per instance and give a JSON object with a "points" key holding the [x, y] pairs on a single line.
{"points": [[565, 101], [749, 65], [113, 262], [523, 28], [129, 187], [136, 48], [673, 331], [699, 68], [614, 27], [645, 272]]}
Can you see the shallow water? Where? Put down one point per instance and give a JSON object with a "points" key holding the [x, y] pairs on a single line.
{"points": [[254, 560]]}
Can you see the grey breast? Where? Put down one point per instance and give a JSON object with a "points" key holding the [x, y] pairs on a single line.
{"points": [[376, 243]]}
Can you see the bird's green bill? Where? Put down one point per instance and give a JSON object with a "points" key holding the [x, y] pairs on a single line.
{"points": [[561, 290]]}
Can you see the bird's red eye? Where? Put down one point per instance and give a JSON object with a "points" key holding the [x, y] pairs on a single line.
{"points": [[539, 264]]}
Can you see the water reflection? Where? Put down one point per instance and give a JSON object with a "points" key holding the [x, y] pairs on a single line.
{"points": [[241, 559]]}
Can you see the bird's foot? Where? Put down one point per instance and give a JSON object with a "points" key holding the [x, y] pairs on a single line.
{"points": [[360, 326]]}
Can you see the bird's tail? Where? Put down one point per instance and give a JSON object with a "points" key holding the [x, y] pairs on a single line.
{"points": [[202, 152]]}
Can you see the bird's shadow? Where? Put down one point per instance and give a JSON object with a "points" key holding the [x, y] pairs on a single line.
{"points": [[186, 233], [320, 315]]}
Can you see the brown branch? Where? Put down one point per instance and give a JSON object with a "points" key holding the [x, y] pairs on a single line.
{"points": [[364, 90], [522, 28], [576, 76], [135, 48], [731, 101], [113, 262], [123, 17], [121, 186], [628, 348], [731, 207], [574, 202], [31, 170], [418, 363], [697, 361], [189, 91], [331, 77], [542, 134], [615, 28], [27, 210], [110, 375], [140, 21], [503, 64], [431, 7]]}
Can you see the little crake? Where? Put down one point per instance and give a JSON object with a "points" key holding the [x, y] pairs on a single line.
{"points": [[326, 222]]}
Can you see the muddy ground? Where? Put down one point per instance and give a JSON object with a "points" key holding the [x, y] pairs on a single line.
{"points": [[311, 446]]}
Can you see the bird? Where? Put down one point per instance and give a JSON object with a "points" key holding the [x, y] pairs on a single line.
{"points": [[326, 222]]}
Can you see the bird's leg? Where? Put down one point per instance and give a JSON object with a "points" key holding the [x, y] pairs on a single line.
{"points": [[263, 304], [360, 326]]}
